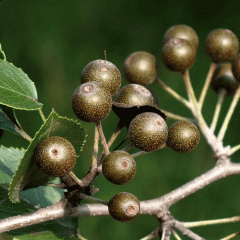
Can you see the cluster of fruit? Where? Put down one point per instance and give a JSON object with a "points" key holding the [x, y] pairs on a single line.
{"points": [[92, 101]]}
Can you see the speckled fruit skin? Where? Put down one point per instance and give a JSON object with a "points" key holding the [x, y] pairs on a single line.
{"points": [[236, 67], [91, 102], [104, 72], [140, 68], [178, 54], [181, 31], [148, 131], [183, 136], [223, 79], [134, 95], [124, 207], [55, 156], [119, 167], [221, 45]]}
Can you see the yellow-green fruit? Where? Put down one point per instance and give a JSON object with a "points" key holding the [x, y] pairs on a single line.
{"points": [[222, 45], [181, 31], [178, 54], [55, 156], [140, 68], [124, 207], [183, 136], [104, 72], [91, 102], [148, 131], [119, 167], [134, 95]]}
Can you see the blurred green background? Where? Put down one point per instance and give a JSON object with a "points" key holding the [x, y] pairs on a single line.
{"points": [[53, 40]]}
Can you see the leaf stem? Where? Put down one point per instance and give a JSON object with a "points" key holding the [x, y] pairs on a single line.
{"points": [[206, 84], [41, 114], [173, 93], [1, 50], [221, 97], [227, 119]]}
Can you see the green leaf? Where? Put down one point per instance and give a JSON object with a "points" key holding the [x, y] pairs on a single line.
{"points": [[16, 89], [8, 120], [9, 161], [28, 175]]}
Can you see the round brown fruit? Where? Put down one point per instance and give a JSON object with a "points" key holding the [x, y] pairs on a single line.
{"points": [[140, 68], [183, 137], [119, 167], [104, 72], [91, 102], [124, 207], [55, 156], [148, 131]]}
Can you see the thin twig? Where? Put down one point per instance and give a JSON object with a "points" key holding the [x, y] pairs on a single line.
{"points": [[76, 179], [138, 154], [231, 236], [95, 149], [128, 147], [173, 93], [175, 116], [234, 149], [102, 137], [152, 235], [163, 234], [87, 197], [221, 97], [176, 235], [229, 115], [211, 222], [186, 232], [110, 142], [206, 84]]}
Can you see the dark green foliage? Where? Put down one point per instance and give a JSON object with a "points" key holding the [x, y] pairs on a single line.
{"points": [[183, 136], [55, 156], [221, 45], [124, 207], [178, 54], [91, 102], [140, 68], [119, 167], [181, 31], [223, 79], [104, 72], [148, 131]]}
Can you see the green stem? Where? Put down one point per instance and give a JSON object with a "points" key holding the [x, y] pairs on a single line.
{"points": [[42, 115], [207, 83], [4, 56], [229, 115]]}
